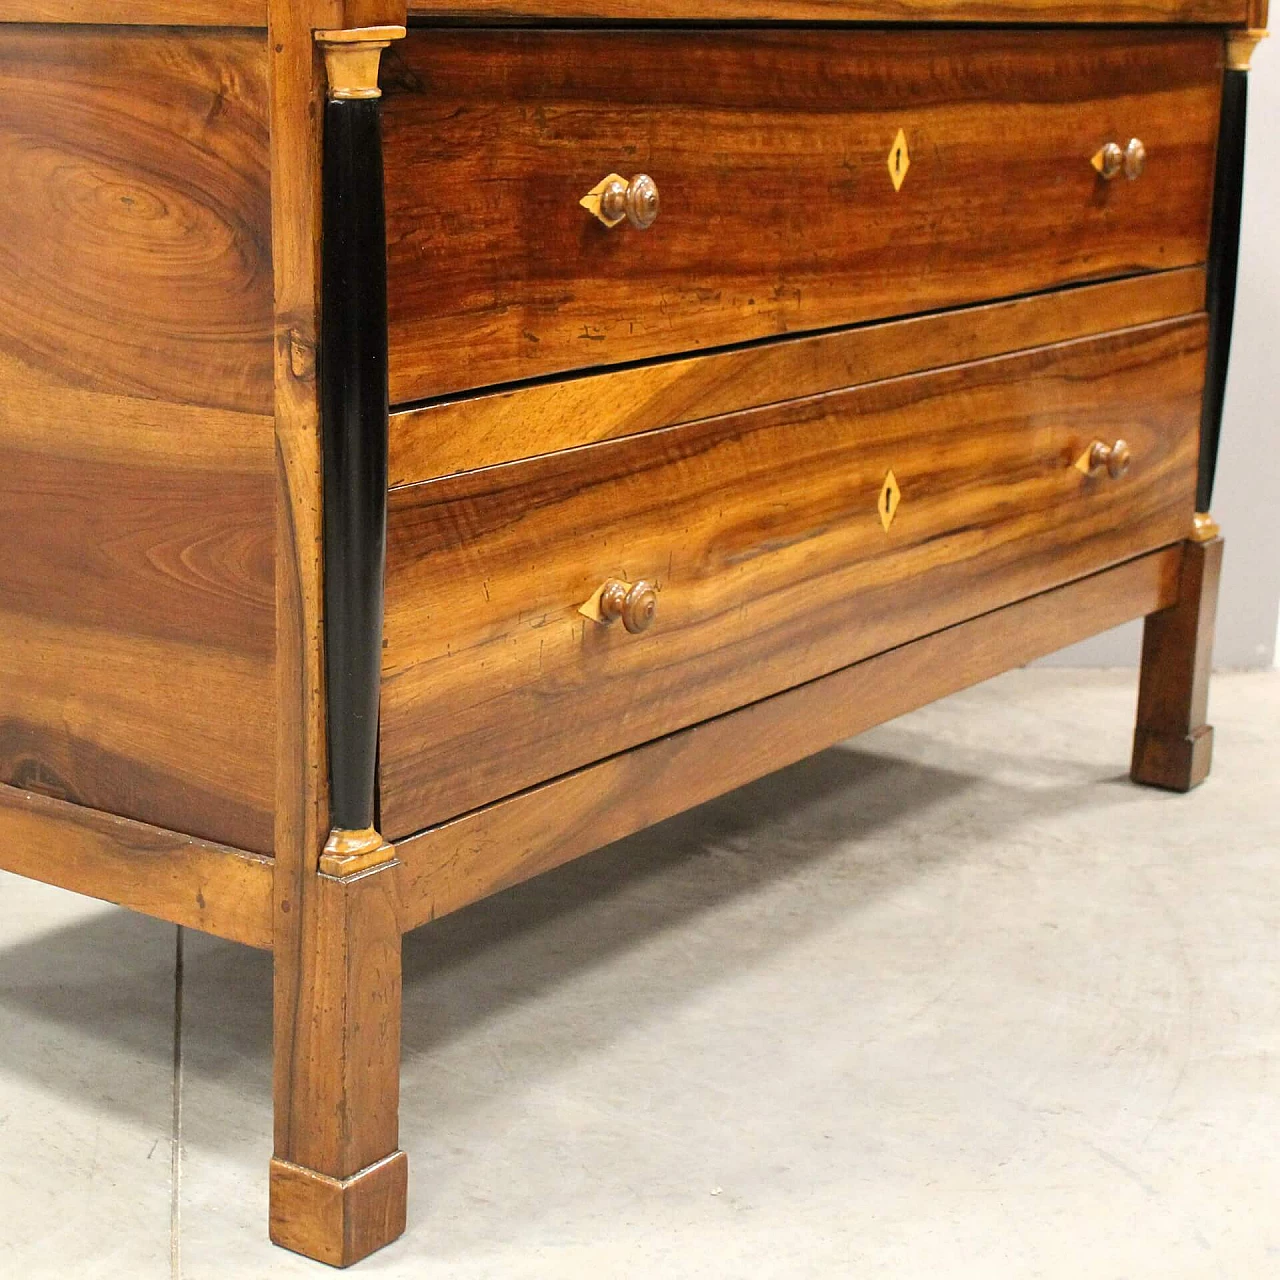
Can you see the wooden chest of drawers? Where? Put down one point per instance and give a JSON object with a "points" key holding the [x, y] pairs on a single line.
{"points": [[441, 439]]}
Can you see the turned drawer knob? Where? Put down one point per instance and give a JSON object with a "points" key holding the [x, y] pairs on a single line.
{"points": [[1111, 161], [1135, 159], [616, 200], [635, 603], [1114, 458]]}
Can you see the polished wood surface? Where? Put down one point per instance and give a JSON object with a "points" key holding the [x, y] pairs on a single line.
{"points": [[503, 844], [136, 560], [186, 13], [772, 150], [1173, 744], [479, 431], [763, 534], [136, 213], [1136, 11], [153, 519], [173, 877], [198, 13]]}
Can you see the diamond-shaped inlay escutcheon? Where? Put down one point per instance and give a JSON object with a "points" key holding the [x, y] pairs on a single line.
{"points": [[899, 160], [890, 496]]}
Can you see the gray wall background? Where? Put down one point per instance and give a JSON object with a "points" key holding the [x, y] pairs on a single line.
{"points": [[1246, 500]]}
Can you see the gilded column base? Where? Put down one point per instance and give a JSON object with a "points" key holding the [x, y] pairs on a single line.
{"points": [[1204, 528], [347, 853]]}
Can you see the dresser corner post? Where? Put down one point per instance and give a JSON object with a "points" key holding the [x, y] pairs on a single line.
{"points": [[338, 1182], [1173, 743]]}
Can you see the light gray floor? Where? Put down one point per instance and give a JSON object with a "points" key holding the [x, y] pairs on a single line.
{"points": [[951, 1000]]}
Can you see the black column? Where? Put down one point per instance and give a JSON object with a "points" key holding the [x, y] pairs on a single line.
{"points": [[353, 375], [1224, 256]]}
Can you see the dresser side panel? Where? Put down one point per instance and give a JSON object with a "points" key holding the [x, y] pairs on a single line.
{"points": [[136, 436]]}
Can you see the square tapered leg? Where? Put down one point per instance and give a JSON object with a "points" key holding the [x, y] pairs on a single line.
{"points": [[1173, 744], [338, 1179]]}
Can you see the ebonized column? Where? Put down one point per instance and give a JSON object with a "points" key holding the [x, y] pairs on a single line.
{"points": [[1224, 252], [353, 406]]}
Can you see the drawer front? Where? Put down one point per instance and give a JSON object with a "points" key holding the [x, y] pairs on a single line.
{"points": [[806, 179], [1233, 12], [768, 539]]}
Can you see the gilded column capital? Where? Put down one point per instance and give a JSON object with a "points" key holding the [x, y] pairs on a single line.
{"points": [[352, 58], [1240, 47]]}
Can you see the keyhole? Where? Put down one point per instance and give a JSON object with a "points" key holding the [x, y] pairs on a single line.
{"points": [[897, 160], [887, 501]]}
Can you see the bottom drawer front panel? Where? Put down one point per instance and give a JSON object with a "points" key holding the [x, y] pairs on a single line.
{"points": [[781, 543]]}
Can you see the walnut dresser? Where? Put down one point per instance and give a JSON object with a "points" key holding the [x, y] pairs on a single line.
{"points": [[436, 441]]}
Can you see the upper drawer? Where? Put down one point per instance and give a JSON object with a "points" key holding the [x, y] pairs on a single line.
{"points": [[789, 200], [1207, 11]]}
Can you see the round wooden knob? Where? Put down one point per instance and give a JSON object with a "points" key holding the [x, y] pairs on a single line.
{"points": [[635, 603], [1109, 161], [638, 201], [1114, 457], [1135, 159]]}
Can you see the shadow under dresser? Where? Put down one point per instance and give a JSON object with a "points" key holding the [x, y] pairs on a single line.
{"points": [[439, 440]]}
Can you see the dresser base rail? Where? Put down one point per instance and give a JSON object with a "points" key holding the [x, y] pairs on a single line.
{"points": [[461, 861], [205, 886]]}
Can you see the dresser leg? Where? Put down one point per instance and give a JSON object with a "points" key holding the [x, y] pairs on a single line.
{"points": [[338, 1178], [1173, 746]]}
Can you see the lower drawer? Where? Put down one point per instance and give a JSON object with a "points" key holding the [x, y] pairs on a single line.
{"points": [[781, 543]]}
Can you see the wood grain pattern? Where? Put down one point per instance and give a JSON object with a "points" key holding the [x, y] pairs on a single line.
{"points": [[137, 517], [135, 213], [771, 149], [493, 848], [136, 558], [1137, 11], [762, 531], [170, 13], [1173, 744], [480, 431], [196, 13], [178, 734], [160, 873]]}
